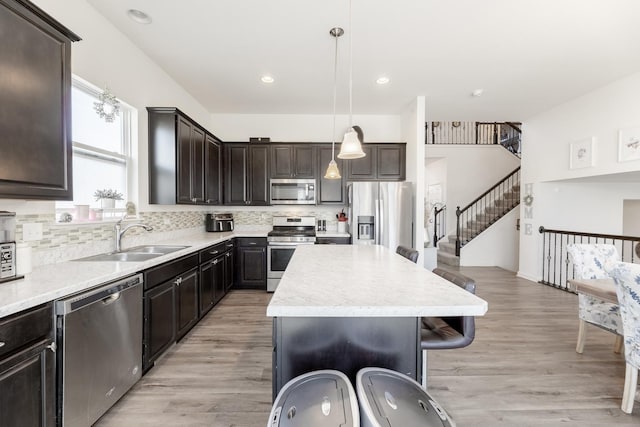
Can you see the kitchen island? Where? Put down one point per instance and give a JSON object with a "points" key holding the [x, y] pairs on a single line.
{"points": [[347, 307]]}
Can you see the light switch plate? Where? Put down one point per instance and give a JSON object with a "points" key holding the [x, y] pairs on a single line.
{"points": [[31, 231]]}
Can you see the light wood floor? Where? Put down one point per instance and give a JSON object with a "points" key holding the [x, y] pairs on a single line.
{"points": [[521, 370]]}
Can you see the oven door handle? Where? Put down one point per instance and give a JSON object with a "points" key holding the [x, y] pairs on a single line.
{"points": [[292, 244]]}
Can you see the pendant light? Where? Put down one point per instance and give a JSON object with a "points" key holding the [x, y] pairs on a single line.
{"points": [[350, 148], [332, 169]]}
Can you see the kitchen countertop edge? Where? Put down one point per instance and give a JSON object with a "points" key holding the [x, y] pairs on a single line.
{"points": [[55, 281]]}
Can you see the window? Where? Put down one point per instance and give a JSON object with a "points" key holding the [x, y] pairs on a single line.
{"points": [[101, 155]]}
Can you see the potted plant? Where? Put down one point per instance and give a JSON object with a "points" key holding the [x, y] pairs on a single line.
{"points": [[107, 198]]}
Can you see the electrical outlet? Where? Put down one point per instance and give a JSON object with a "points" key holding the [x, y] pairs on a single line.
{"points": [[31, 231]]}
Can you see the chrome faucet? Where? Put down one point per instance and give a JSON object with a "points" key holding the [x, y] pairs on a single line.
{"points": [[119, 231]]}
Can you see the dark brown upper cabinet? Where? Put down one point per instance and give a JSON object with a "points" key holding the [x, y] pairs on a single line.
{"points": [[330, 190], [212, 171], [246, 177], [293, 161], [184, 160], [383, 162], [35, 104]]}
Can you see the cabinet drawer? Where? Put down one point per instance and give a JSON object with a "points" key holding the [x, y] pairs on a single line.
{"points": [[212, 252], [333, 240], [156, 275], [24, 328], [251, 241]]}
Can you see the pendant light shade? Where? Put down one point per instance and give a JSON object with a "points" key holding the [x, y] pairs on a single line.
{"points": [[332, 171], [350, 147]]}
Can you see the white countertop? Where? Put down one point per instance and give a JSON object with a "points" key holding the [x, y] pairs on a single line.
{"points": [[51, 282], [365, 281]]}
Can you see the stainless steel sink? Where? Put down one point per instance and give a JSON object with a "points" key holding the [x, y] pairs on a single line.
{"points": [[137, 254], [156, 249], [122, 257]]}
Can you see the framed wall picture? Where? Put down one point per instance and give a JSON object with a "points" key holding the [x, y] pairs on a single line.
{"points": [[582, 153], [628, 144]]}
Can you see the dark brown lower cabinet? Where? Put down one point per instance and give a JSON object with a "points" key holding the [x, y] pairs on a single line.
{"points": [[27, 361], [216, 274], [228, 270], [186, 302], [250, 263], [27, 386], [159, 322], [207, 279], [170, 305]]}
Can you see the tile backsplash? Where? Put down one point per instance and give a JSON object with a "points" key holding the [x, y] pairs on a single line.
{"points": [[63, 242]]}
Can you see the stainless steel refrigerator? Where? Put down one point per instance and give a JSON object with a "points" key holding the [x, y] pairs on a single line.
{"points": [[381, 213]]}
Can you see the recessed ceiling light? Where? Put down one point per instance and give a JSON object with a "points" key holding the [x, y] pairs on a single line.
{"points": [[477, 93], [139, 16], [267, 79], [382, 80]]}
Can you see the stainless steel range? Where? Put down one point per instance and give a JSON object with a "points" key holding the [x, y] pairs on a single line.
{"points": [[288, 233]]}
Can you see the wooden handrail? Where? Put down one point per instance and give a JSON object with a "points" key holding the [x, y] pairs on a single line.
{"points": [[490, 190], [580, 233]]}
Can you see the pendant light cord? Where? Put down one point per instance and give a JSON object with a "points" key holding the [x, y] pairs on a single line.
{"points": [[350, 69], [335, 95]]}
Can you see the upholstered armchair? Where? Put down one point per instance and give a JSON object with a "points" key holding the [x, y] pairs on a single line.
{"points": [[627, 278], [588, 263]]}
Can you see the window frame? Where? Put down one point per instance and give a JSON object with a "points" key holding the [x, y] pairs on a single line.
{"points": [[124, 157]]}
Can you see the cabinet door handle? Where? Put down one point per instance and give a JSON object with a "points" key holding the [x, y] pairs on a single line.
{"points": [[178, 281], [252, 243], [208, 200], [53, 347], [214, 252], [215, 261], [2, 343], [228, 255]]}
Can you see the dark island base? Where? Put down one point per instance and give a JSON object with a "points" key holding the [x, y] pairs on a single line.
{"points": [[347, 344]]}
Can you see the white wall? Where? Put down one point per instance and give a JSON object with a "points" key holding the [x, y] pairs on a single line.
{"points": [[105, 57], [497, 246], [594, 203], [601, 113], [413, 120], [631, 218], [304, 128], [471, 170], [435, 174]]}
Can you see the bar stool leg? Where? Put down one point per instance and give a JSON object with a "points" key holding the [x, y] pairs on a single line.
{"points": [[424, 369]]}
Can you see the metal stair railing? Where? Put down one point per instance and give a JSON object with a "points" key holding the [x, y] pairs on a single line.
{"points": [[557, 269], [487, 208], [439, 223], [507, 134]]}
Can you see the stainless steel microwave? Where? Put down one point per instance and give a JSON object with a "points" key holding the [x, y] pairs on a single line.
{"points": [[293, 191]]}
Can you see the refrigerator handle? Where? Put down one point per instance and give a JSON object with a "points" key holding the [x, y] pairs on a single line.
{"points": [[380, 221]]}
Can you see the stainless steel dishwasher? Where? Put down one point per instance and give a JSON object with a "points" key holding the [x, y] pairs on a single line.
{"points": [[99, 337]]}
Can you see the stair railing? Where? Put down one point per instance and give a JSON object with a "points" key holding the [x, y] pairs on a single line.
{"points": [[507, 134], [492, 204], [557, 269], [439, 223]]}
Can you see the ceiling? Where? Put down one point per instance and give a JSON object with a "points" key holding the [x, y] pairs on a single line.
{"points": [[527, 55]]}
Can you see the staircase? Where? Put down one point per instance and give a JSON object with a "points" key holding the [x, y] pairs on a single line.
{"points": [[479, 215]]}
